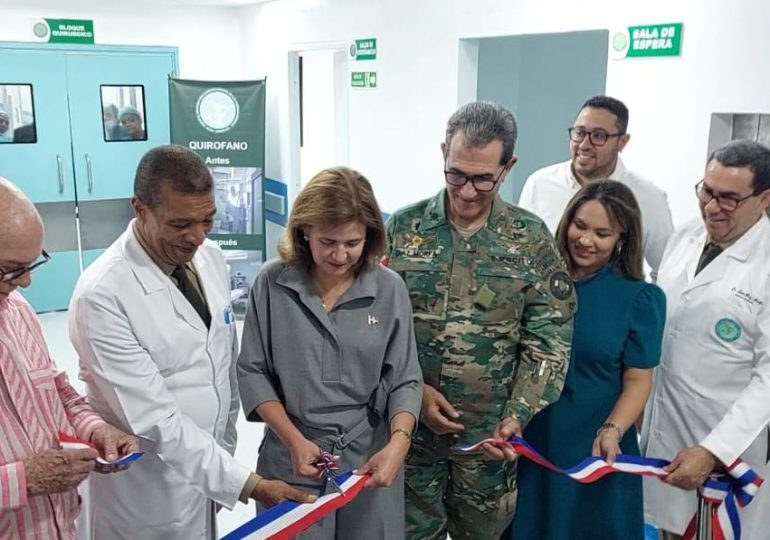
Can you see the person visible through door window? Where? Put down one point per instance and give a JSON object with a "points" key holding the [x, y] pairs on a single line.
{"points": [[113, 131], [5, 124], [132, 123]]}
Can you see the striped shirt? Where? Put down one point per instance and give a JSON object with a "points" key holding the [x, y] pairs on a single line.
{"points": [[36, 402]]}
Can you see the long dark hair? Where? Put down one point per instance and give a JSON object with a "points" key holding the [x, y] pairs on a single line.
{"points": [[624, 213]]}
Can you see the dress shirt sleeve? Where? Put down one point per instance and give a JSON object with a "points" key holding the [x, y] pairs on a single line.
{"points": [[131, 383], [546, 334], [749, 415], [79, 412], [255, 363], [661, 227], [13, 486], [402, 373]]}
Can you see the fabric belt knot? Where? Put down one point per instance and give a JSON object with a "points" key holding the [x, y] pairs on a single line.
{"points": [[191, 293]]}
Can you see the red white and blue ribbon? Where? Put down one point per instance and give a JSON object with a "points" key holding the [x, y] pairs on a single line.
{"points": [[68, 442], [727, 491], [290, 518]]}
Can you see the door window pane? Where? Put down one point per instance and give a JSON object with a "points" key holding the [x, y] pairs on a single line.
{"points": [[123, 113], [17, 114]]}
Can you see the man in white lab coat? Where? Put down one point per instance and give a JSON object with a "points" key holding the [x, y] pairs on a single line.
{"points": [[152, 324], [711, 398], [597, 137]]}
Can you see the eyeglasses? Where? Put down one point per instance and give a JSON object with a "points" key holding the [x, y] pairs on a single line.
{"points": [[480, 183], [728, 203], [597, 138], [16, 273]]}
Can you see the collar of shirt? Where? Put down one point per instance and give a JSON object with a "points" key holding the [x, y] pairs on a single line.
{"points": [[299, 279], [723, 245], [435, 212], [164, 266], [572, 182]]}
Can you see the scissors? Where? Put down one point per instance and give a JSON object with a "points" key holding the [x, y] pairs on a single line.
{"points": [[327, 464]]}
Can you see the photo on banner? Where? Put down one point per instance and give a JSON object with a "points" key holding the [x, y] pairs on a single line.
{"points": [[224, 123]]}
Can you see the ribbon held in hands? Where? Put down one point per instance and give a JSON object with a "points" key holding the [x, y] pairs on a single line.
{"points": [[286, 520], [728, 491], [68, 442]]}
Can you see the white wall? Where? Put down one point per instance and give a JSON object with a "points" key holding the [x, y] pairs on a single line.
{"points": [[395, 131], [209, 39]]}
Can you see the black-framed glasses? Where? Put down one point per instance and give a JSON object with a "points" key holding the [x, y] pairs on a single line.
{"points": [[728, 203], [597, 137], [16, 273], [480, 182]]}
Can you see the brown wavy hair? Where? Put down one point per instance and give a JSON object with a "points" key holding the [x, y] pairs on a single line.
{"points": [[334, 197], [623, 210]]}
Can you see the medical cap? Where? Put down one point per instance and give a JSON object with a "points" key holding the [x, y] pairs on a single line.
{"points": [[127, 110]]}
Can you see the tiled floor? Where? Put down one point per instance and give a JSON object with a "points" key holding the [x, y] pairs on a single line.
{"points": [[249, 434]]}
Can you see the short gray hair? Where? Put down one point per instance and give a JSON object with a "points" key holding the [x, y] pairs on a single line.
{"points": [[482, 122]]}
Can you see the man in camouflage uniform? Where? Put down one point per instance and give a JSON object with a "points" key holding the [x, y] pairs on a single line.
{"points": [[493, 311]]}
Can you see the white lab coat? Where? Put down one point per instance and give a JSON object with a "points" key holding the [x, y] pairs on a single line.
{"points": [[713, 384], [152, 369]]}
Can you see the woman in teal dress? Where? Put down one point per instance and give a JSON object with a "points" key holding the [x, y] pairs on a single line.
{"points": [[616, 344]]}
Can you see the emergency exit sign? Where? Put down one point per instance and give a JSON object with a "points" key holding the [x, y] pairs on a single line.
{"points": [[649, 40], [363, 79]]}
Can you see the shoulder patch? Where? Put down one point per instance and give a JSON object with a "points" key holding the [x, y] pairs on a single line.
{"points": [[560, 285]]}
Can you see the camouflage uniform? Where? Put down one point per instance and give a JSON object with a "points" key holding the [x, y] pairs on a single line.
{"points": [[493, 323]]}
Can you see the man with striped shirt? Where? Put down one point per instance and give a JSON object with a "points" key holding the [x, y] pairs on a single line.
{"points": [[38, 480]]}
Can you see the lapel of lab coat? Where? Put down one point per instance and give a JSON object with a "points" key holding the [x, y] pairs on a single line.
{"points": [[152, 279]]}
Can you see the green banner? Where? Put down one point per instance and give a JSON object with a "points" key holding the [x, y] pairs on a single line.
{"points": [[65, 30], [649, 40], [224, 123]]}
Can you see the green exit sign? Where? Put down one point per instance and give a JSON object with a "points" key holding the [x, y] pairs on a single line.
{"points": [[364, 49], [363, 79], [649, 40]]}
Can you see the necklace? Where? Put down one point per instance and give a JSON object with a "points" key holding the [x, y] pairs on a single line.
{"points": [[334, 293]]}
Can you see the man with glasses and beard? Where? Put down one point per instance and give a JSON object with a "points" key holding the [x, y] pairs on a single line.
{"points": [[710, 402], [597, 137], [493, 311]]}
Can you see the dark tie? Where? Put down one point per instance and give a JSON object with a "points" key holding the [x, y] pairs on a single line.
{"points": [[710, 253], [191, 293]]}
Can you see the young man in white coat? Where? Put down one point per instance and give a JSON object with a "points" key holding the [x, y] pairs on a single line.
{"points": [[152, 324], [598, 136], [711, 398]]}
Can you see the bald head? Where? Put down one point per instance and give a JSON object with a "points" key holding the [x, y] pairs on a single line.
{"points": [[19, 219]]}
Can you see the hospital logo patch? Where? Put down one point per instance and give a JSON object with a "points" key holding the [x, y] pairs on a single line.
{"points": [[727, 330]]}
